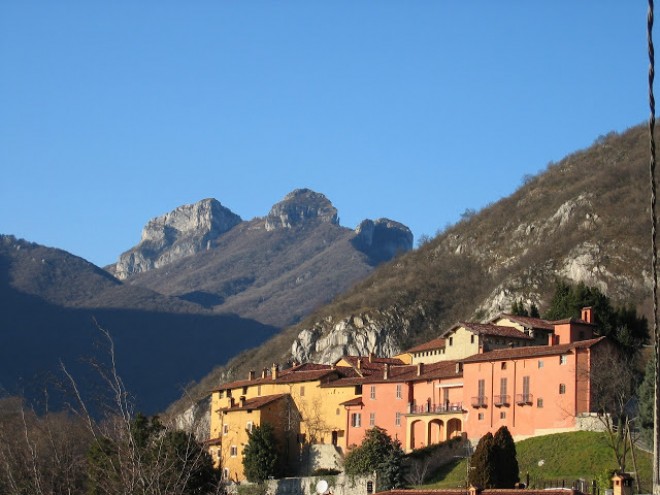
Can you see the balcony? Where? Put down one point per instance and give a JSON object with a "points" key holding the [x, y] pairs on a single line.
{"points": [[524, 399], [502, 400], [480, 401], [447, 407]]}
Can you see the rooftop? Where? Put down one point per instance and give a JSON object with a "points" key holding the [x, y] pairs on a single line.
{"points": [[531, 351]]}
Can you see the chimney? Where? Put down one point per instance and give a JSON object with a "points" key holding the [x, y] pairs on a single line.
{"points": [[459, 367], [386, 371], [359, 363], [242, 399], [264, 373], [273, 371], [372, 357], [420, 369], [251, 375], [588, 314], [552, 339], [231, 401]]}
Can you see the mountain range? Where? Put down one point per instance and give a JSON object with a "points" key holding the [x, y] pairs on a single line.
{"points": [[201, 286]]}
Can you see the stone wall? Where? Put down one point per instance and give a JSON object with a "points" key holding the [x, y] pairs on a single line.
{"points": [[337, 485]]}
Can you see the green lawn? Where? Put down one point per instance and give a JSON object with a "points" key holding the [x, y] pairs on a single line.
{"points": [[568, 456]]}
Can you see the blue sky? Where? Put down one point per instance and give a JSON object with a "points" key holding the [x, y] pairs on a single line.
{"points": [[116, 112]]}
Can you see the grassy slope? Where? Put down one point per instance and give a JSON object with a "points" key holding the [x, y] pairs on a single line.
{"points": [[568, 456]]}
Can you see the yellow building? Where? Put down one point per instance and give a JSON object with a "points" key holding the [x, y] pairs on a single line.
{"points": [[466, 339], [302, 403]]}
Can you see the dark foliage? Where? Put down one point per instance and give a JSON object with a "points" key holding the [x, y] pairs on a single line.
{"points": [[260, 457], [378, 452], [482, 467], [505, 459], [621, 324]]}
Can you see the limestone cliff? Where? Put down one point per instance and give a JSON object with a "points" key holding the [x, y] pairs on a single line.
{"points": [[298, 207], [184, 231], [382, 239]]}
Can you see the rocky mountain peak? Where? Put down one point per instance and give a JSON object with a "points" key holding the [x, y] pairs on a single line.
{"points": [[300, 206], [382, 239], [186, 230]]}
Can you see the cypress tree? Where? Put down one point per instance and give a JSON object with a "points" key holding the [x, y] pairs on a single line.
{"points": [[482, 468], [504, 459]]}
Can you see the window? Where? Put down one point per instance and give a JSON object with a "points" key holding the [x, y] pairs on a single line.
{"points": [[472, 339], [245, 390], [372, 419], [356, 420], [526, 386], [337, 412], [451, 340], [503, 415], [562, 388], [480, 416], [503, 366], [540, 364], [302, 391], [539, 402], [225, 429], [233, 451], [502, 386], [370, 487], [397, 419], [481, 389], [398, 391], [225, 473], [372, 392], [221, 394], [563, 359], [248, 426]]}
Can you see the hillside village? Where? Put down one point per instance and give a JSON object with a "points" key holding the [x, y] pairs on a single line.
{"points": [[531, 375]]}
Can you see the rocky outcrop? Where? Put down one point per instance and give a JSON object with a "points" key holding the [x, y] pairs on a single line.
{"points": [[361, 335], [182, 232], [382, 239], [300, 206]]}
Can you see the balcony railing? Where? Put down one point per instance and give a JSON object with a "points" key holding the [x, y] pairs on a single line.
{"points": [[446, 407], [501, 400], [524, 399], [480, 401]]}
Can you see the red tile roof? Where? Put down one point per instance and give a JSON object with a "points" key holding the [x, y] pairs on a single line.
{"points": [[255, 403], [442, 369], [302, 373], [438, 343], [490, 329], [357, 401], [531, 351], [501, 491]]}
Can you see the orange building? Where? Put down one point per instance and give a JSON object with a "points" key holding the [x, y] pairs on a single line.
{"points": [[530, 390]]}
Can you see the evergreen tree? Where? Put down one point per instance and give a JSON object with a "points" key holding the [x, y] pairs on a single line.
{"points": [[391, 469], [646, 393], [482, 468], [534, 311], [378, 452], [622, 324], [261, 458], [504, 459], [518, 308]]}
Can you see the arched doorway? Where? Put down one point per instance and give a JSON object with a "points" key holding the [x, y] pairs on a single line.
{"points": [[436, 431], [454, 428]]}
